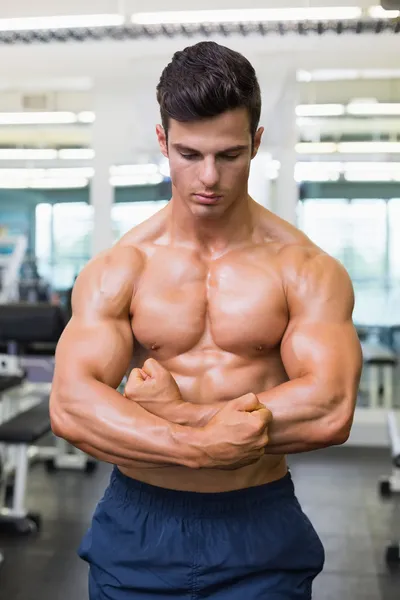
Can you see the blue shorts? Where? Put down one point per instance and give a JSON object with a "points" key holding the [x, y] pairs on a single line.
{"points": [[150, 543]]}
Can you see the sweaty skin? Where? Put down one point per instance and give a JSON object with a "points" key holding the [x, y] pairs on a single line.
{"points": [[250, 325]]}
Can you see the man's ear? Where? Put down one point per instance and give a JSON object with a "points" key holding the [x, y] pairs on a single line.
{"points": [[162, 140], [257, 141]]}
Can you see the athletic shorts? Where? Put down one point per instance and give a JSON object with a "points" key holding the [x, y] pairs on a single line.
{"points": [[150, 543]]}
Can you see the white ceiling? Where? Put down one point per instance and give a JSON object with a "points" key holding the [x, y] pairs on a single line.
{"points": [[27, 8], [71, 74]]}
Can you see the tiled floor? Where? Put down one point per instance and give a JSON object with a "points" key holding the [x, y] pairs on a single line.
{"points": [[337, 488]]}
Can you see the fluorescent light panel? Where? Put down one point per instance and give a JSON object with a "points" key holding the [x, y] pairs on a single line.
{"points": [[134, 170], [46, 118], [46, 154], [353, 108], [346, 74], [248, 15], [61, 22], [351, 171], [320, 110], [130, 180], [348, 147], [373, 108], [378, 12], [76, 154], [316, 147], [368, 147]]}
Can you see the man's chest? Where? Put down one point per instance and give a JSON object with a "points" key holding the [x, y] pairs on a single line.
{"points": [[236, 303]]}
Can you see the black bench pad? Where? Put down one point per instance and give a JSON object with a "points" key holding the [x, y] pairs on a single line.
{"points": [[9, 381], [27, 427]]}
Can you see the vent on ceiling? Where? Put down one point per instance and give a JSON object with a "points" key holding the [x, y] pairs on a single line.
{"points": [[35, 102]]}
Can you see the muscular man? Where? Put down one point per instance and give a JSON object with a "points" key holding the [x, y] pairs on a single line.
{"points": [[241, 329]]}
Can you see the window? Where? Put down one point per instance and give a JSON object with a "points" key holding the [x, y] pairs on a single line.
{"points": [[126, 215], [325, 222], [63, 241], [394, 238], [355, 232]]}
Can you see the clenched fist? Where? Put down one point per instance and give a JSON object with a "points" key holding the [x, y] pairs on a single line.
{"points": [[154, 388], [237, 435]]}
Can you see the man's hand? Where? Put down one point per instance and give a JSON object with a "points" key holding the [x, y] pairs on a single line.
{"points": [[237, 435], [154, 388]]}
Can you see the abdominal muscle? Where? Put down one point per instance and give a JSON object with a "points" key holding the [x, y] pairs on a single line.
{"points": [[208, 386]]}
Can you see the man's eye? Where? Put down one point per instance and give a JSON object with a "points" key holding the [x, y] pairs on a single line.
{"points": [[230, 156], [189, 156]]}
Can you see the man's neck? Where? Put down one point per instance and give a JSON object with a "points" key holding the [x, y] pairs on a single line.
{"points": [[211, 235]]}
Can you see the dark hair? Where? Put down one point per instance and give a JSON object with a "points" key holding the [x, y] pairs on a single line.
{"points": [[205, 80]]}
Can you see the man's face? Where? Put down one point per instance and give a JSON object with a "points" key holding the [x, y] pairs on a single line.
{"points": [[210, 160]]}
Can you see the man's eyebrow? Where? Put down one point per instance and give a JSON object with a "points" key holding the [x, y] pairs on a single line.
{"points": [[183, 148]]}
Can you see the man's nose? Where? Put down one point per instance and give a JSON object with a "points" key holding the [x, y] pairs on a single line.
{"points": [[209, 175]]}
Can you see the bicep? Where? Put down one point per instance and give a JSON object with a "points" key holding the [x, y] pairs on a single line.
{"points": [[321, 340], [101, 349], [327, 352]]}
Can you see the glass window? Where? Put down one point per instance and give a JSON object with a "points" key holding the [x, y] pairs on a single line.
{"points": [[126, 215], [353, 232], [326, 223], [394, 238], [366, 251], [63, 241]]}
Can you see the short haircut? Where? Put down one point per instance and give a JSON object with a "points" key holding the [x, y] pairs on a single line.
{"points": [[206, 80]]}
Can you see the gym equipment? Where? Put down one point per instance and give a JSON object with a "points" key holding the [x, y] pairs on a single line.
{"points": [[391, 485], [19, 433], [380, 362], [12, 254], [30, 333], [6, 383]]}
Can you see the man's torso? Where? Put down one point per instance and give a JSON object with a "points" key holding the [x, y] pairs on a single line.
{"points": [[216, 323]]}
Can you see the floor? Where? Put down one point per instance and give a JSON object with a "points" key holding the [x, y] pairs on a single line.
{"points": [[337, 488]]}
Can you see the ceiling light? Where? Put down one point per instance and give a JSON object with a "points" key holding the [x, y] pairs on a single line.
{"points": [[61, 22], [315, 147], [368, 147], [134, 170], [320, 110], [248, 15], [318, 171], [377, 12], [367, 176], [86, 172], [86, 116], [346, 74], [38, 118], [56, 183], [76, 154], [132, 180], [373, 108], [27, 154]]}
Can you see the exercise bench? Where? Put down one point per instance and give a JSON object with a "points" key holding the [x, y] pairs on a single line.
{"points": [[19, 433]]}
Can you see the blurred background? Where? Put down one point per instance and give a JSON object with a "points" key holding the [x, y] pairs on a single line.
{"points": [[79, 162], [80, 165]]}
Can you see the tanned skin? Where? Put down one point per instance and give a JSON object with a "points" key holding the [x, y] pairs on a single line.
{"points": [[238, 327]]}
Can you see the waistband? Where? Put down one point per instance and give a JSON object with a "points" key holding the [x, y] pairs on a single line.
{"points": [[198, 504]]}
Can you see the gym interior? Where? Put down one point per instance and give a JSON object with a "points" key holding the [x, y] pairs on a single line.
{"points": [[80, 166]]}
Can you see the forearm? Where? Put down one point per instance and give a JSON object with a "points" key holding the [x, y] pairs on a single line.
{"points": [[111, 428], [306, 416], [195, 415]]}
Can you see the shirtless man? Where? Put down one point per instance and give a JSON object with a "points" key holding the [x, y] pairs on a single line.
{"points": [[241, 331]]}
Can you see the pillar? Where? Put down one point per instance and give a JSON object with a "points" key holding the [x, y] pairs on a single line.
{"points": [[259, 179], [287, 195], [113, 139], [279, 96], [101, 191]]}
